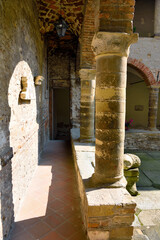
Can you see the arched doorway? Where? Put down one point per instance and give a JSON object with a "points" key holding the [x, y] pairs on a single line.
{"points": [[137, 98], [141, 106]]}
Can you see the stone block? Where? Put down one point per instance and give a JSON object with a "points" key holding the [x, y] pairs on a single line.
{"points": [[98, 235], [124, 233], [108, 213]]}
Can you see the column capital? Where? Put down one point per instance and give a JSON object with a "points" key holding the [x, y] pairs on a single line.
{"points": [[87, 74], [113, 43]]}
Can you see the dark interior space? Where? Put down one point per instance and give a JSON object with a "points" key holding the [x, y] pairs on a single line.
{"points": [[61, 114]]}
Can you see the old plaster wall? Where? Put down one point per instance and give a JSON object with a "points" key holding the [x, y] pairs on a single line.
{"points": [[137, 98], [23, 124], [147, 51]]}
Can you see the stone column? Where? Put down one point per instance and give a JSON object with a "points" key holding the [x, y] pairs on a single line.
{"points": [[87, 77], [157, 18], [111, 50], [153, 108]]}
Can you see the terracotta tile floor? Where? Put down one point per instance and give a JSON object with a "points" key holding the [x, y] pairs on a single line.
{"points": [[51, 207]]}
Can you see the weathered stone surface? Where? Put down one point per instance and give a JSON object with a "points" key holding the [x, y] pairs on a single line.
{"points": [[6, 198], [153, 108], [23, 125], [97, 235], [87, 77], [131, 161], [132, 177], [111, 50], [113, 43], [107, 213], [38, 80]]}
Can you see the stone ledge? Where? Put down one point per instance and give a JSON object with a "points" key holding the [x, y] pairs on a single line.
{"points": [[108, 213]]}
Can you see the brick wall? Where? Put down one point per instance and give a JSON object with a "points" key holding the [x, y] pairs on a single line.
{"points": [[71, 11], [88, 30], [116, 15], [23, 124], [104, 15], [144, 71]]}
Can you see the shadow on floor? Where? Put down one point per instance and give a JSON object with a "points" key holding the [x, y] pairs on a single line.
{"points": [[51, 206]]}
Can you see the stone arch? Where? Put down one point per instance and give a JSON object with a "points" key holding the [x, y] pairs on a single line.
{"points": [[143, 70]]}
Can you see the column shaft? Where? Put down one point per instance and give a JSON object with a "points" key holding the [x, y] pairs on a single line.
{"points": [[87, 104], [153, 108], [110, 116], [111, 63], [157, 18]]}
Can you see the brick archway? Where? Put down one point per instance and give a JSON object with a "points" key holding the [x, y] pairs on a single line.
{"points": [[143, 70]]}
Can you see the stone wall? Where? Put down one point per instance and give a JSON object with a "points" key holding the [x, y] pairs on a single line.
{"points": [[23, 124], [88, 30], [146, 140], [107, 213]]}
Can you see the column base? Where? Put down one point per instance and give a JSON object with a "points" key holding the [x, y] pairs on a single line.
{"points": [[87, 140], [98, 180], [152, 129], [108, 213]]}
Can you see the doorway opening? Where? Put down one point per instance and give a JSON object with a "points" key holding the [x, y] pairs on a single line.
{"points": [[60, 114]]}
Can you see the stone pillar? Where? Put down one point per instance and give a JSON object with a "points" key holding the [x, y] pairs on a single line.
{"points": [[157, 18], [111, 50], [153, 108], [87, 77]]}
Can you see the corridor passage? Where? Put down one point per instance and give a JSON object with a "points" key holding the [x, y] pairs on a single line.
{"points": [[51, 207]]}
